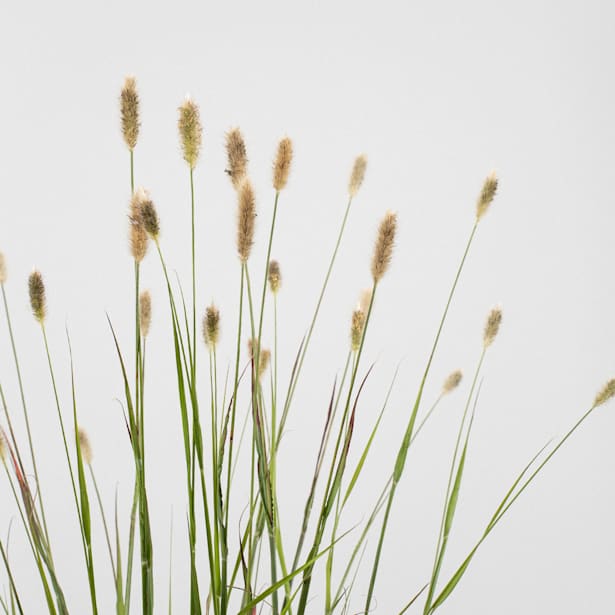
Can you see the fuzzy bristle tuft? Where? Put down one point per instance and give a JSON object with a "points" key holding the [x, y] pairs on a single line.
{"points": [[275, 276], [36, 288], [383, 249], [281, 166], [487, 194], [211, 325], [145, 312], [129, 109], [605, 393], [357, 175], [245, 220], [357, 325], [190, 131], [149, 218], [137, 232], [492, 326], [236, 156], [452, 381]]}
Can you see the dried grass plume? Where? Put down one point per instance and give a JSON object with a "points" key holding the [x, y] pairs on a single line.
{"points": [[357, 324], [274, 276], [605, 393], [129, 109], [190, 131], [492, 326], [36, 289], [137, 233], [452, 381], [245, 220], [149, 218], [357, 175], [383, 249], [145, 312], [487, 194], [236, 156], [211, 325], [281, 166]]}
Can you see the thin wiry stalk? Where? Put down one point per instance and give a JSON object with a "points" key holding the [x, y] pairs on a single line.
{"points": [[26, 419], [405, 445], [333, 484], [225, 593], [293, 383]]}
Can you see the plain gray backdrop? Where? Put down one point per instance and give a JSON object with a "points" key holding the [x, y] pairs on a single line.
{"points": [[436, 94]]}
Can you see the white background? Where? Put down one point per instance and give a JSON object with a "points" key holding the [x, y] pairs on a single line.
{"points": [[436, 94]]}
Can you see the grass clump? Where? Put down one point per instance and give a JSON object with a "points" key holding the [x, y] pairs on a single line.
{"points": [[232, 577]]}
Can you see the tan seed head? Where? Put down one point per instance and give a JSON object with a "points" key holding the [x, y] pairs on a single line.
{"points": [[605, 393], [2, 269], [36, 288], [275, 276], [281, 166], [84, 444], [492, 326], [487, 195], [149, 218], [129, 110], [245, 220], [137, 233], [263, 363], [383, 249], [190, 131], [236, 156], [452, 381], [145, 312], [357, 175], [357, 325], [211, 325]]}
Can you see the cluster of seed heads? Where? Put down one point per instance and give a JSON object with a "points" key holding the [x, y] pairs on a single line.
{"points": [[211, 325]]}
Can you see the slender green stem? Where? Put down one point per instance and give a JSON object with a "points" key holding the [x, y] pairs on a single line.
{"points": [[293, 383], [442, 539], [26, 419], [226, 591], [405, 444]]}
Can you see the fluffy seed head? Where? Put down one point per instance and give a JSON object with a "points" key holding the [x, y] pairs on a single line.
{"points": [[263, 363], [84, 444], [245, 220], [190, 131], [281, 166], [492, 326], [452, 381], [211, 325], [357, 325], [2, 269], [149, 218], [383, 249], [145, 312], [357, 175], [236, 156], [275, 276], [36, 288], [129, 109], [605, 393], [137, 233], [487, 195]]}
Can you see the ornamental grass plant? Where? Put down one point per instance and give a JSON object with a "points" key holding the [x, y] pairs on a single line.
{"points": [[238, 550]]}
